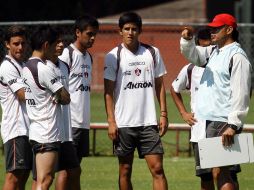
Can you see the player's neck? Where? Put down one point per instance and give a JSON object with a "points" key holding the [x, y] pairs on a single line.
{"points": [[133, 47], [39, 54], [80, 47]]}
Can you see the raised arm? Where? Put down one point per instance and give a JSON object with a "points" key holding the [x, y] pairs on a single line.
{"points": [[195, 54]]}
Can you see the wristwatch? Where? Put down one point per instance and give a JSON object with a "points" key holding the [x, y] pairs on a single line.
{"points": [[232, 126], [237, 129]]}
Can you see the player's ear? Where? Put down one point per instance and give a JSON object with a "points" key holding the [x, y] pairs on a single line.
{"points": [[45, 45], [121, 31], [7, 45], [77, 32]]}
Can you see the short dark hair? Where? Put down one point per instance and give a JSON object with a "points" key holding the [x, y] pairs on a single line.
{"points": [[203, 34], [42, 34], [130, 17], [235, 35], [15, 30], [84, 21]]}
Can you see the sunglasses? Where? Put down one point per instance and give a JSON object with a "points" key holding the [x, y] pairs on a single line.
{"points": [[215, 30]]}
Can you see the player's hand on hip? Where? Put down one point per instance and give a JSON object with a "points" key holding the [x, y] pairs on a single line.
{"points": [[228, 137], [163, 125], [189, 118], [187, 33], [112, 131]]}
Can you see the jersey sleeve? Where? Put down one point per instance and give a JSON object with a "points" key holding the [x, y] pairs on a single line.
{"points": [[181, 81], [110, 66], [11, 76], [160, 69], [65, 57], [48, 79]]}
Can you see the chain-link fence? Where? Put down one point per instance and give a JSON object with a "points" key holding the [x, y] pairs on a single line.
{"points": [[163, 35]]}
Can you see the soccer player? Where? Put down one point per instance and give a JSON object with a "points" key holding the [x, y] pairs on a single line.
{"points": [[68, 164], [133, 76], [226, 83], [44, 94], [15, 122], [79, 60]]}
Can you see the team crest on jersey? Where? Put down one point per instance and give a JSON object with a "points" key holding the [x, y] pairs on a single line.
{"points": [[138, 71], [86, 74]]}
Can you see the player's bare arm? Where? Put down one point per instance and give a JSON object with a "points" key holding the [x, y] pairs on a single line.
{"points": [[188, 117], [20, 93], [161, 96], [109, 87], [63, 96]]}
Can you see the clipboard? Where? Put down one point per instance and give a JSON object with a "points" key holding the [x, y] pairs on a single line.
{"points": [[213, 154]]}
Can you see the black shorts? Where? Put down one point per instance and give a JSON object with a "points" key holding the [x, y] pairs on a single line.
{"points": [[18, 154], [41, 148], [145, 138], [199, 171], [67, 157], [80, 138], [215, 128]]}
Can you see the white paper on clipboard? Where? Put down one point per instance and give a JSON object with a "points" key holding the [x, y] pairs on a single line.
{"points": [[213, 154]]}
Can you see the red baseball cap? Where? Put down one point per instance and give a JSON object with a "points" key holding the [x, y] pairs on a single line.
{"points": [[223, 19]]}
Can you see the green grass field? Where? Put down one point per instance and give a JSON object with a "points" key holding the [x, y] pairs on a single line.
{"points": [[101, 172]]}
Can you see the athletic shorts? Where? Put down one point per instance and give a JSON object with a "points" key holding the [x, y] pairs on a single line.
{"points": [[80, 139], [145, 138], [41, 148], [18, 154], [199, 171], [67, 157]]}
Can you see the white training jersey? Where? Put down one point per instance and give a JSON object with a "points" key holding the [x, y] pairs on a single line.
{"points": [[61, 70], [135, 84], [15, 121], [80, 66], [40, 83], [190, 80]]}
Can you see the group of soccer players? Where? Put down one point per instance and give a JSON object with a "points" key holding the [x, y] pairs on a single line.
{"points": [[46, 103]]}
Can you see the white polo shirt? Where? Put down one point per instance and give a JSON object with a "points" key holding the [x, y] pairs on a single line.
{"points": [[62, 73], [41, 82], [15, 121], [135, 85], [79, 86]]}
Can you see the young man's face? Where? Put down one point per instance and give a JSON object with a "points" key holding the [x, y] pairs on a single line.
{"points": [[59, 46], [16, 47], [130, 33], [86, 38]]}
